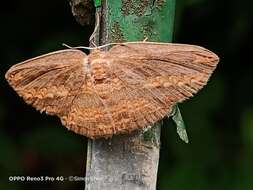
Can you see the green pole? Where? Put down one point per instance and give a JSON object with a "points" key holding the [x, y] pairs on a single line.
{"points": [[135, 20], [129, 161]]}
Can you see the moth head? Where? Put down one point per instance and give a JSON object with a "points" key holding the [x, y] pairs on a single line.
{"points": [[96, 53], [96, 56]]}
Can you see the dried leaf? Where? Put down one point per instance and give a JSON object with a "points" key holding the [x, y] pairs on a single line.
{"points": [[178, 119]]}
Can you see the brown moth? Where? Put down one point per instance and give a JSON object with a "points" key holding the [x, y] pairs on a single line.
{"points": [[129, 87]]}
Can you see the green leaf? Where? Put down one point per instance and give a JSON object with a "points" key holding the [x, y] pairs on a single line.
{"points": [[97, 3], [177, 118]]}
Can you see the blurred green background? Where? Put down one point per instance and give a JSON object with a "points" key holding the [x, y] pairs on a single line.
{"points": [[219, 118]]}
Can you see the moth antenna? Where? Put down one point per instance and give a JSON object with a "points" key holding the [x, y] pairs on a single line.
{"points": [[91, 48], [67, 46], [78, 47]]}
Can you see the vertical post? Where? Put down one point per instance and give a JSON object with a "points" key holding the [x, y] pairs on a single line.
{"points": [[129, 161]]}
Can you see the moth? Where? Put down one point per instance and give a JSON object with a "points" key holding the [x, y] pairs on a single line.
{"points": [[129, 87]]}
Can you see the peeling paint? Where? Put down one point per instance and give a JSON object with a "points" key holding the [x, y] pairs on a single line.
{"points": [[159, 3], [129, 7], [141, 7], [147, 29], [126, 7], [116, 33]]}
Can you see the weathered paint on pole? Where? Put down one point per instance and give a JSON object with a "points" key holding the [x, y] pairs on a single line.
{"points": [[132, 20]]}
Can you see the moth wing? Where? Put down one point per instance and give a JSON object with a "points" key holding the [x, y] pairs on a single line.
{"points": [[57, 84], [153, 77], [49, 82], [164, 66], [89, 116]]}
